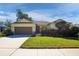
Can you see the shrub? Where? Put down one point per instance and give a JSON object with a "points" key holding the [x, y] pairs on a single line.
{"points": [[2, 34], [70, 32], [33, 35], [8, 32], [65, 29], [73, 32]]}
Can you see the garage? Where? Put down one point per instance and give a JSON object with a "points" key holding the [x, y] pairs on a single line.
{"points": [[23, 30], [23, 26]]}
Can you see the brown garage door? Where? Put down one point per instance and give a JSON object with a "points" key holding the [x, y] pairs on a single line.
{"points": [[23, 30]]}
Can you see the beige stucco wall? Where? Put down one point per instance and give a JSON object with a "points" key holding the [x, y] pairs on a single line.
{"points": [[23, 25], [51, 26]]}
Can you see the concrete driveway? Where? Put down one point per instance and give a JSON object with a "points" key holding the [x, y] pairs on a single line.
{"points": [[14, 41], [9, 45]]}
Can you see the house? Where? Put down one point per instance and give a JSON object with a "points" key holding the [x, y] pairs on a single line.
{"points": [[23, 26], [26, 26], [57, 24], [2, 27]]}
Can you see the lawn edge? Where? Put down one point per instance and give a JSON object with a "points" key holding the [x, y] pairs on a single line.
{"points": [[49, 47]]}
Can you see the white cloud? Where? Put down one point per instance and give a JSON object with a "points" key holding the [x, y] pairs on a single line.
{"points": [[65, 11], [2, 12], [38, 16], [7, 16], [47, 17]]}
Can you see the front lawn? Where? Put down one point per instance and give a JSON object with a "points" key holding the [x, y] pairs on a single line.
{"points": [[50, 42]]}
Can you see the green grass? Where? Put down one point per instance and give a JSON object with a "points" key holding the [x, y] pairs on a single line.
{"points": [[50, 42], [2, 34]]}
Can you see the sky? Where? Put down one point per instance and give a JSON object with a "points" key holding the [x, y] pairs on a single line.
{"points": [[41, 11]]}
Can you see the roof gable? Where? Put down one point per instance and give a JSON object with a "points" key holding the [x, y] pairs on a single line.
{"points": [[59, 20], [23, 20]]}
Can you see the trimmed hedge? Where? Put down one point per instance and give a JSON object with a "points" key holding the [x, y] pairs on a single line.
{"points": [[60, 33]]}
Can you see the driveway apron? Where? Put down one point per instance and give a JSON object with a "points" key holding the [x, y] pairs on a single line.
{"points": [[14, 41]]}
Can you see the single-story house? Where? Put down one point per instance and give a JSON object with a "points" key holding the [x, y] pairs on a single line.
{"points": [[23, 26]]}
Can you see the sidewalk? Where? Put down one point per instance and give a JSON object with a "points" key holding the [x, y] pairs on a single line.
{"points": [[39, 52]]}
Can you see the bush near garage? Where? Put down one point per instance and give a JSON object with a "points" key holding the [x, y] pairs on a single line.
{"points": [[2, 34], [8, 32]]}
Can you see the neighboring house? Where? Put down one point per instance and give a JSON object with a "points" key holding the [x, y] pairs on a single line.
{"points": [[23, 26], [2, 27]]}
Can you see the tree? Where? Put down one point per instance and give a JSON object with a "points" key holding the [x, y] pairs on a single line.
{"points": [[8, 31], [30, 18], [65, 30], [62, 25], [21, 15], [25, 16], [75, 30], [8, 24]]}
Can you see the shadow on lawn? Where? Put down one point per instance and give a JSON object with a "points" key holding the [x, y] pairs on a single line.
{"points": [[72, 38], [69, 38], [18, 36]]}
